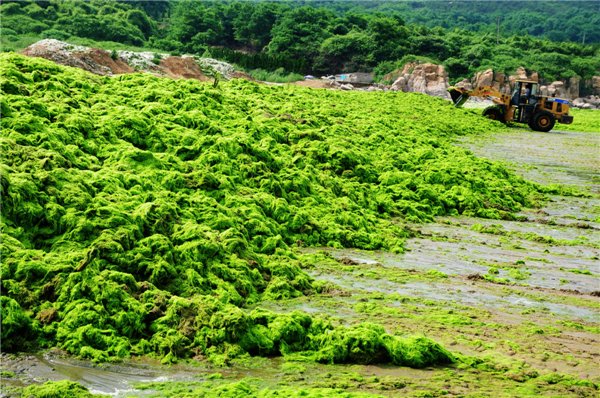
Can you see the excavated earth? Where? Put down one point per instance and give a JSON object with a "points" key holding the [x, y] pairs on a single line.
{"points": [[101, 63], [526, 293]]}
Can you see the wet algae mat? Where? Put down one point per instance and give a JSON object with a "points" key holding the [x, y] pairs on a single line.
{"points": [[253, 240]]}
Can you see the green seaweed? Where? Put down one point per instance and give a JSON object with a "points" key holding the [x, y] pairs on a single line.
{"points": [[140, 214], [59, 389], [250, 388]]}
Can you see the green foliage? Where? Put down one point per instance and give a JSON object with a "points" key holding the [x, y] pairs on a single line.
{"points": [[141, 213], [55, 34], [559, 21], [17, 328], [584, 120], [247, 388], [59, 389], [114, 55], [277, 76], [258, 61], [329, 37], [156, 58]]}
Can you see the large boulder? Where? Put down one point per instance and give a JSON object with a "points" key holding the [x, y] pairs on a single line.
{"points": [[464, 83], [521, 73], [596, 84], [483, 78], [557, 89], [573, 91], [592, 99], [577, 102], [426, 78], [400, 85]]}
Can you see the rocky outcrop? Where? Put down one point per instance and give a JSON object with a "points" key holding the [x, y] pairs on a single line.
{"points": [[568, 89], [590, 102], [426, 78], [433, 80], [593, 85]]}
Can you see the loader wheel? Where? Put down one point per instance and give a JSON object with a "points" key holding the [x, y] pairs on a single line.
{"points": [[543, 121], [494, 113]]}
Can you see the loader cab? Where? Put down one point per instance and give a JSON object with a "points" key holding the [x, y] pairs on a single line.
{"points": [[526, 104], [518, 96]]}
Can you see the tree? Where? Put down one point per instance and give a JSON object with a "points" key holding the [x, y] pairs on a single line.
{"points": [[300, 32], [195, 26]]}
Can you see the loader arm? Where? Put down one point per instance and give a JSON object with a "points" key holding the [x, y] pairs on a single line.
{"points": [[460, 95]]}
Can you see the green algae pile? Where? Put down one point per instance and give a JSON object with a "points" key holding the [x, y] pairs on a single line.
{"points": [[141, 215]]}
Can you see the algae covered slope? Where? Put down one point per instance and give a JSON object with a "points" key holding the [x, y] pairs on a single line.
{"points": [[141, 214]]}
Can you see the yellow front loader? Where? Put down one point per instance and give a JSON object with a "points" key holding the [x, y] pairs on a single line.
{"points": [[523, 106]]}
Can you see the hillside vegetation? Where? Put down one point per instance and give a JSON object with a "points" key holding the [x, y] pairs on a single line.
{"points": [[329, 37], [141, 214]]}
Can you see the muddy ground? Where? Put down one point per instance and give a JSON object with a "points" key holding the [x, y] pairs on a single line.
{"points": [[523, 296]]}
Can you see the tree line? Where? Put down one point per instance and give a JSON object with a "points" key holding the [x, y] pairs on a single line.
{"points": [[330, 37]]}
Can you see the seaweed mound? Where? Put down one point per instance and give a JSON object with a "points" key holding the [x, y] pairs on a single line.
{"points": [[59, 389], [139, 214]]}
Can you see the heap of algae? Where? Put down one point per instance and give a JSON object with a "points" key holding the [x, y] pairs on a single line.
{"points": [[244, 388], [142, 214]]}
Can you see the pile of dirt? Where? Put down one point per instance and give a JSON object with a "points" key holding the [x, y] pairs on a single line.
{"points": [[101, 63], [238, 74], [183, 68]]}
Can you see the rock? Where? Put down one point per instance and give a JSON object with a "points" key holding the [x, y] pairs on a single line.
{"points": [[464, 83], [511, 81], [577, 102], [574, 83], [391, 76], [499, 82], [521, 73], [370, 88], [586, 106], [347, 87], [592, 99], [534, 76], [596, 84], [426, 78], [485, 78], [556, 89], [544, 91], [400, 85]]}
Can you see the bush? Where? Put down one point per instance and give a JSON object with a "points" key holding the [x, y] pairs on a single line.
{"points": [[382, 69], [278, 76], [114, 55], [55, 34], [7, 32], [157, 58]]}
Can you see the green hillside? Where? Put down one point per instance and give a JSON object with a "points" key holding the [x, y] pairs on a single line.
{"points": [[329, 37]]}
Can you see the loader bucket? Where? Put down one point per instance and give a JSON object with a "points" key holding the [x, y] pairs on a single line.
{"points": [[458, 98]]}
